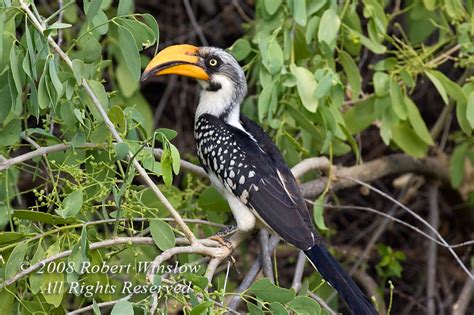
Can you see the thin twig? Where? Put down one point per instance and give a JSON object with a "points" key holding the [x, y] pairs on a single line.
{"points": [[383, 194], [395, 219], [432, 250], [196, 26], [179, 220], [322, 303]]}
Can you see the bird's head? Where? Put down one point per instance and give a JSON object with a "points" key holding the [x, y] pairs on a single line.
{"points": [[217, 71]]}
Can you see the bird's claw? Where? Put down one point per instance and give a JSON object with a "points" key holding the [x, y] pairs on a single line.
{"points": [[223, 241]]}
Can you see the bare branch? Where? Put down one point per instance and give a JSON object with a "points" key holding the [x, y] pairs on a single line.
{"points": [[265, 255], [460, 306], [378, 168], [316, 163], [296, 284]]}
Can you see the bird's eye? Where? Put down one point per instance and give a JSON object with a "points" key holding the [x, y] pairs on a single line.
{"points": [[213, 62]]}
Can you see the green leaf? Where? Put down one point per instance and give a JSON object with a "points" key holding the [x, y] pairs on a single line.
{"points": [[429, 4], [151, 22], [306, 85], [417, 122], [16, 258], [305, 306], [201, 309], [129, 52], [240, 49], [278, 309], [461, 115], [92, 8], [439, 86], [58, 86], [175, 158], [211, 200], [78, 69], [267, 291], [125, 7], [352, 72], [397, 99], [118, 118], [166, 168], [456, 164], [408, 141], [264, 100], [324, 86], [48, 280], [299, 12], [470, 109], [58, 25], [329, 27], [10, 237], [360, 116], [369, 43], [10, 134], [254, 309], [37, 216], [169, 134], [123, 308], [271, 6], [311, 28], [72, 204], [122, 150], [43, 96], [162, 234], [273, 59], [381, 80], [318, 210]]}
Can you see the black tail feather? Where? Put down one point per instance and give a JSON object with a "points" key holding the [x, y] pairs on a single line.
{"points": [[333, 273]]}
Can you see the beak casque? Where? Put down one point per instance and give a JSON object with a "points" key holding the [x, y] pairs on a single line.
{"points": [[176, 59]]}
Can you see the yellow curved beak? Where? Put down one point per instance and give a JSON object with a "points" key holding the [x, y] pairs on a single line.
{"points": [[176, 59]]}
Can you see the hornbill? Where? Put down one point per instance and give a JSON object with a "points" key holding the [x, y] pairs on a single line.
{"points": [[245, 165]]}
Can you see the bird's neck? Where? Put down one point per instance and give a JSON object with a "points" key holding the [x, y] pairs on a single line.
{"points": [[223, 102]]}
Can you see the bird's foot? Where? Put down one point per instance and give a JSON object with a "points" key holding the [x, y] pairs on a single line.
{"points": [[222, 240], [220, 236]]}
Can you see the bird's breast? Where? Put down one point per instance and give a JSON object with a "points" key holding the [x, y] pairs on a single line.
{"points": [[220, 154]]}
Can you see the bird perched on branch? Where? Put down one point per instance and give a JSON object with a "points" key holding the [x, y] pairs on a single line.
{"points": [[245, 165]]}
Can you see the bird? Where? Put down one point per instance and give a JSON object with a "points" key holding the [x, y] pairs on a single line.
{"points": [[244, 164]]}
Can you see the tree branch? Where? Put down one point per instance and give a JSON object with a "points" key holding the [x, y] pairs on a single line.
{"points": [[388, 165], [265, 256]]}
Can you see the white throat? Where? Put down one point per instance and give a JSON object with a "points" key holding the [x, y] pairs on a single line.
{"points": [[217, 102]]}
